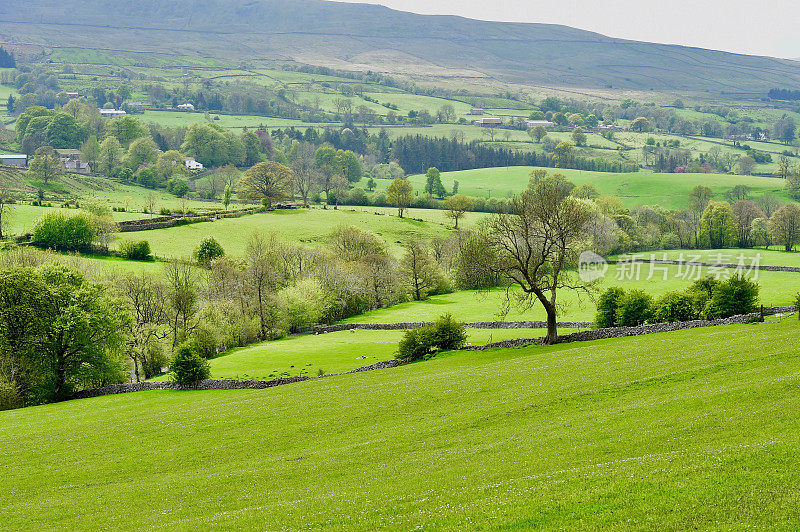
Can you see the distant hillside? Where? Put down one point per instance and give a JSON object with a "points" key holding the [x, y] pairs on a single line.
{"points": [[362, 37]]}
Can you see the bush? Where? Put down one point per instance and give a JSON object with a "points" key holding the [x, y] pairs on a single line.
{"points": [[305, 303], [448, 334], [734, 296], [62, 232], [209, 250], [10, 398], [607, 306], [634, 308], [675, 306], [445, 333], [154, 360], [187, 365], [415, 344], [670, 241], [136, 250]]}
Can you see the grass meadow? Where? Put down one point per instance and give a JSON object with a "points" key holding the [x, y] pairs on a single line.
{"points": [[309, 226], [670, 191], [697, 427]]}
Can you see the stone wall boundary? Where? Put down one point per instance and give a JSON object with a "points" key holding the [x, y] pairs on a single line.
{"points": [[219, 384]]}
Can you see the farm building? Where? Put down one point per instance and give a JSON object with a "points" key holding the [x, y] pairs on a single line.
{"points": [[72, 95], [533, 123], [71, 159], [13, 159], [489, 121], [112, 113], [476, 111], [185, 107], [191, 164]]}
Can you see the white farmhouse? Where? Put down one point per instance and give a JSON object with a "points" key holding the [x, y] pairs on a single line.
{"points": [[112, 113], [191, 164], [185, 107]]}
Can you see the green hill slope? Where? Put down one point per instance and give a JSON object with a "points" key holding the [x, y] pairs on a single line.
{"points": [[692, 429], [368, 37]]}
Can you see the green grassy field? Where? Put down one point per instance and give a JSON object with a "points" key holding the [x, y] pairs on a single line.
{"points": [[310, 226], [691, 429], [670, 191], [332, 352], [775, 288], [748, 257]]}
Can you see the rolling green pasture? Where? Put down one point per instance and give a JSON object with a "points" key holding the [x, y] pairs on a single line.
{"points": [[670, 191], [183, 119], [775, 289], [690, 429], [436, 216], [774, 256], [310, 226], [332, 352]]}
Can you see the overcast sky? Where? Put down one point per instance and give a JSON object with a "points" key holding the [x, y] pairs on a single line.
{"points": [[763, 27]]}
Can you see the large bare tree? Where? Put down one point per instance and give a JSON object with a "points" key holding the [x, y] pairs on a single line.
{"points": [[537, 245]]}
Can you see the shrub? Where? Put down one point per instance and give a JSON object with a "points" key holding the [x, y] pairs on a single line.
{"points": [[10, 397], [154, 360], [415, 344], [209, 250], [136, 250], [187, 365], [445, 333], [62, 232], [607, 306], [306, 303], [670, 241], [634, 308], [675, 306], [448, 334], [734, 296]]}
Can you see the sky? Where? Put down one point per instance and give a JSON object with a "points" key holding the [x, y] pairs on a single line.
{"points": [[764, 27]]}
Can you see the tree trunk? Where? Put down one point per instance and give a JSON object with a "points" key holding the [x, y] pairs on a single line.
{"points": [[552, 333]]}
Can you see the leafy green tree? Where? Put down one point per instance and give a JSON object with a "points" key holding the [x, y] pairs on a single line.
{"points": [[607, 305], [208, 251], [718, 225], [538, 133], [640, 124], [169, 164], [563, 154], [420, 270], [141, 151], [433, 183], [784, 225], [126, 129], [61, 331], [65, 132], [634, 308], [731, 297], [252, 148], [226, 196], [457, 207], [45, 166], [64, 232], [188, 366], [400, 193], [267, 182], [111, 154], [90, 153], [674, 306], [578, 136], [537, 244]]}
